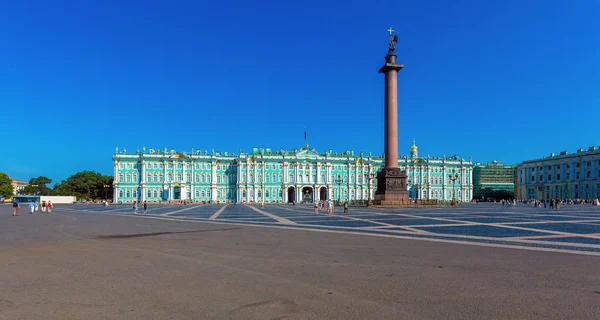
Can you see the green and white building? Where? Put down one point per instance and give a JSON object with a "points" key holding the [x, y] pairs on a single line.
{"points": [[279, 176]]}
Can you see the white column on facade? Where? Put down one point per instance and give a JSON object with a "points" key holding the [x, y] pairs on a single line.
{"points": [[193, 178], [143, 172], [319, 173], [263, 181], [116, 182], [296, 172], [174, 170]]}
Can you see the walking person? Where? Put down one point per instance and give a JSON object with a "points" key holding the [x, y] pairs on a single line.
{"points": [[145, 206], [50, 206], [43, 206], [346, 206], [31, 207], [135, 207], [16, 206], [316, 207], [37, 206]]}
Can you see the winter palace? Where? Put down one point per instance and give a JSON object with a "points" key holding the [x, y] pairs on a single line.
{"points": [[300, 175]]}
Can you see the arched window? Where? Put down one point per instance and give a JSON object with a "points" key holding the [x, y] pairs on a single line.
{"points": [[203, 194], [291, 176], [169, 177], [244, 193], [134, 179], [134, 193], [197, 177], [178, 177], [128, 193], [188, 177], [149, 177], [120, 177], [281, 177], [260, 194], [178, 165], [267, 193], [128, 178], [218, 179], [322, 177], [155, 193], [149, 193], [197, 193], [120, 193], [160, 177]]}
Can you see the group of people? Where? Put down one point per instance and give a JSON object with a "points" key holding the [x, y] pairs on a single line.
{"points": [[33, 207], [136, 208], [320, 205]]}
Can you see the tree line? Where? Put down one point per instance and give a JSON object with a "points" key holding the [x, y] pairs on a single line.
{"points": [[83, 185]]}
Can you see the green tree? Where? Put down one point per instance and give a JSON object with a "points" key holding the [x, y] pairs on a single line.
{"points": [[38, 186], [6, 189], [85, 185]]}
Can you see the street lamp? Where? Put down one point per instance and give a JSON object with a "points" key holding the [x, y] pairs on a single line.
{"points": [[369, 177], [106, 191], [453, 178], [417, 192], [339, 183]]}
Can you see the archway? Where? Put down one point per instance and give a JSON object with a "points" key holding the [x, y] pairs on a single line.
{"points": [[291, 196], [177, 193], [323, 193], [307, 195]]}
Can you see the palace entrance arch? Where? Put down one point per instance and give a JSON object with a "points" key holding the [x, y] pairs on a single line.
{"points": [[307, 195], [291, 194], [323, 193]]}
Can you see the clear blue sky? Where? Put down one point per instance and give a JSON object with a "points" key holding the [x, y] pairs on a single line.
{"points": [[507, 80]]}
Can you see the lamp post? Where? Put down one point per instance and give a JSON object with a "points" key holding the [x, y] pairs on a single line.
{"points": [[453, 178], [106, 191], [339, 183], [416, 192], [369, 177]]}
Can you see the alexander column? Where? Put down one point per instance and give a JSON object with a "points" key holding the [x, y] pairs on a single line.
{"points": [[391, 181]]}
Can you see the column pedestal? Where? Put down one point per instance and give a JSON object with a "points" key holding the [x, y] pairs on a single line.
{"points": [[391, 188]]}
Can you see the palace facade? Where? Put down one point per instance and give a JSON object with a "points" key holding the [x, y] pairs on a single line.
{"points": [[279, 176], [564, 176]]}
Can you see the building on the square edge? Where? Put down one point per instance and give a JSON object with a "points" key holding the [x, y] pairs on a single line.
{"points": [[279, 176], [18, 185], [493, 181], [564, 176]]}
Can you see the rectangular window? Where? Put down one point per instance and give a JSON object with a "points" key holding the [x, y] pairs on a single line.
{"points": [[549, 177]]}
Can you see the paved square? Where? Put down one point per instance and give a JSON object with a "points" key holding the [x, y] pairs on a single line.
{"points": [[573, 229], [285, 262]]}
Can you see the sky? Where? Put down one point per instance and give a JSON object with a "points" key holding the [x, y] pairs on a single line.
{"points": [[493, 80]]}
